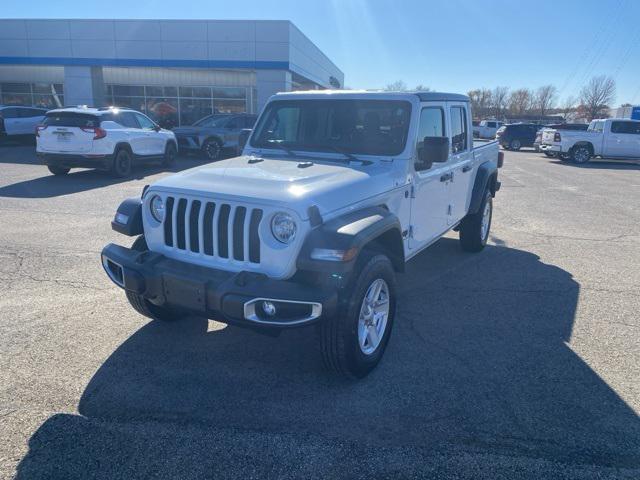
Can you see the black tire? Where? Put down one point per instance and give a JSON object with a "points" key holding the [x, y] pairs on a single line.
{"points": [[580, 154], [122, 163], [550, 154], [212, 149], [141, 304], [58, 170], [515, 144], [472, 237], [339, 342], [170, 154]]}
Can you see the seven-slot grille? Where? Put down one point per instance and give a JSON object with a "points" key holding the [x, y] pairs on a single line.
{"points": [[216, 229]]}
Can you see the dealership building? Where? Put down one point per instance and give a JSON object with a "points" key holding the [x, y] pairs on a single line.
{"points": [[176, 71]]}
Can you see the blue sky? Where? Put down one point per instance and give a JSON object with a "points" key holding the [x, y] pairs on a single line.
{"points": [[451, 45]]}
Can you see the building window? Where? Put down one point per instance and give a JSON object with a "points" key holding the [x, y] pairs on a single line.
{"points": [[43, 95], [173, 106]]}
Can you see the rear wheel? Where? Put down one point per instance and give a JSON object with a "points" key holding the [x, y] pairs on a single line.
{"points": [[212, 149], [474, 228], [580, 154], [122, 163], [58, 170], [170, 154], [515, 145], [141, 304], [550, 154], [355, 338]]}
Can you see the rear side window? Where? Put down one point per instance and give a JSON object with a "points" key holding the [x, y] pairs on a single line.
{"points": [[71, 119], [10, 112], [458, 129]]}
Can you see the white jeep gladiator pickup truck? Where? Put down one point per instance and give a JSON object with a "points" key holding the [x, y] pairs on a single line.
{"points": [[610, 138], [334, 192]]}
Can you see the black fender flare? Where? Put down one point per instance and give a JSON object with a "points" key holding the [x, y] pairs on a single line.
{"points": [[487, 176], [351, 232], [131, 210]]}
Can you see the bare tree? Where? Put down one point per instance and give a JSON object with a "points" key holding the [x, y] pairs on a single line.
{"points": [[422, 88], [520, 100], [597, 95], [397, 86], [545, 99], [568, 106], [480, 102], [499, 97]]}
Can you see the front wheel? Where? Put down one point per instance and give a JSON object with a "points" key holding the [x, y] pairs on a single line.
{"points": [[474, 228], [170, 154], [58, 170], [355, 338], [515, 145], [212, 149], [141, 304]]}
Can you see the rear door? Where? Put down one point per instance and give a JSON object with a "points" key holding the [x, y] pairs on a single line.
{"points": [[67, 132], [461, 160], [430, 185], [623, 141], [12, 119]]}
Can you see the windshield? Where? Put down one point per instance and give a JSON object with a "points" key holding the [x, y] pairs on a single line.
{"points": [[214, 121], [368, 127]]}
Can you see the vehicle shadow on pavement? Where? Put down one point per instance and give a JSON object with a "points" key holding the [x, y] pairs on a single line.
{"points": [[602, 164], [478, 364], [77, 181]]}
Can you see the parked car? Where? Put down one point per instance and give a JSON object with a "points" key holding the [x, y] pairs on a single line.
{"points": [[214, 134], [537, 145], [334, 193], [517, 135], [18, 121], [610, 138], [486, 129], [110, 139]]}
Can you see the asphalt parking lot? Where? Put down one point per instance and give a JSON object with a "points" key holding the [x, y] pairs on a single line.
{"points": [[519, 362]]}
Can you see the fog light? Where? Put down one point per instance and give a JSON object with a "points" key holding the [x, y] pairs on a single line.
{"points": [[122, 218], [269, 309]]}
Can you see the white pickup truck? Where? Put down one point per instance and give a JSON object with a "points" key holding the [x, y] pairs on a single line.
{"points": [[486, 129], [334, 192], [609, 138]]}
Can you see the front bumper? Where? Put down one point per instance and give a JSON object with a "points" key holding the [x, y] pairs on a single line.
{"points": [[102, 162], [226, 296]]}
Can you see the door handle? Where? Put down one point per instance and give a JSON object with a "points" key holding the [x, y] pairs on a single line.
{"points": [[445, 177], [466, 168]]}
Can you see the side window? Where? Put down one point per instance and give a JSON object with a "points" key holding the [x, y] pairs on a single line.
{"points": [[145, 122], [249, 121], [617, 127], [459, 137], [11, 113], [126, 119], [631, 128], [431, 125], [491, 124]]}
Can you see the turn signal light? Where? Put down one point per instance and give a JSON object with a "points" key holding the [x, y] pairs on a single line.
{"points": [[98, 132], [39, 128]]}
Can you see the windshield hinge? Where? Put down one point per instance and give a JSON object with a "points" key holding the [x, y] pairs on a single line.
{"points": [[413, 192]]}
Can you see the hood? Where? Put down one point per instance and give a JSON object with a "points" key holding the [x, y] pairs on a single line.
{"points": [[282, 181]]}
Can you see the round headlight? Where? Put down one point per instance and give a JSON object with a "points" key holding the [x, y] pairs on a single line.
{"points": [[283, 227], [157, 208]]}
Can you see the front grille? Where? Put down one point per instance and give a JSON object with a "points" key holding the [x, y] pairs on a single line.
{"points": [[214, 229]]}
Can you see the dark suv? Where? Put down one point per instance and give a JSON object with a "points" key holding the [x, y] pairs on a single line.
{"points": [[213, 134], [517, 135]]}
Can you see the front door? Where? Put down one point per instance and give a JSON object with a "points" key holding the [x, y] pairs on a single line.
{"points": [[154, 142], [461, 160], [429, 206], [623, 140]]}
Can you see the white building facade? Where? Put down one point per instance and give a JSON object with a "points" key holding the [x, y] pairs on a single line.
{"points": [[176, 71]]}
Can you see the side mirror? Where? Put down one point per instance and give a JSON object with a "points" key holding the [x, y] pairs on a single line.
{"points": [[434, 150], [243, 137], [157, 127]]}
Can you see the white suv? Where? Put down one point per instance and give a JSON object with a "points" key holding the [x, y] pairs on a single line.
{"points": [[104, 138]]}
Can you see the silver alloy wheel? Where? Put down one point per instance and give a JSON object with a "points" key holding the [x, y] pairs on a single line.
{"points": [[486, 219], [581, 155], [515, 144], [374, 314]]}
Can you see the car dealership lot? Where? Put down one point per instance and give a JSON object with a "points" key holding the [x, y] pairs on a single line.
{"points": [[533, 374]]}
